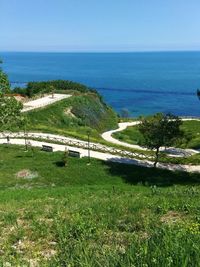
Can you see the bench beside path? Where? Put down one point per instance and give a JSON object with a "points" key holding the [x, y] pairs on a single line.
{"points": [[106, 156], [48, 100]]}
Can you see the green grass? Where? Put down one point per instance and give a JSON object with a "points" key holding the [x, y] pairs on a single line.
{"points": [[103, 214], [91, 115], [50, 171], [192, 128], [132, 135], [74, 116]]}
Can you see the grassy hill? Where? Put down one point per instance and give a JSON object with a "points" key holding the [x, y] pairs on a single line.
{"points": [[103, 214], [75, 116], [191, 128], [84, 112]]}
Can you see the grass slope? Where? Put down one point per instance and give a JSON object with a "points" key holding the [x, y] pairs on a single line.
{"points": [[74, 116], [104, 214], [132, 135]]}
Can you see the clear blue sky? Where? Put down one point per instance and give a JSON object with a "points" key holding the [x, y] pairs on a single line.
{"points": [[99, 25]]}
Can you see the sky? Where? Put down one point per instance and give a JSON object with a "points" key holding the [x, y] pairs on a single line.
{"points": [[99, 25]]}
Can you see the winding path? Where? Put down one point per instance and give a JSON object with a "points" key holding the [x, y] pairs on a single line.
{"points": [[172, 151], [47, 100], [98, 155]]}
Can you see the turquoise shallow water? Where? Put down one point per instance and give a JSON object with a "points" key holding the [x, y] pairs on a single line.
{"points": [[143, 83]]}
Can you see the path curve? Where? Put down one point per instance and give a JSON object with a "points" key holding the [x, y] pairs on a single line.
{"points": [[47, 100], [172, 151], [107, 156]]}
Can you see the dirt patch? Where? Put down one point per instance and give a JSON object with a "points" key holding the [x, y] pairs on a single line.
{"points": [[68, 112], [26, 174], [172, 217]]}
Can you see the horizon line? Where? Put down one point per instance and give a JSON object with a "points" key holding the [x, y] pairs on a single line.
{"points": [[100, 51]]}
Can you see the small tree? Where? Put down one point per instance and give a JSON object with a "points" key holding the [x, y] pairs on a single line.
{"points": [[10, 112], [65, 157], [52, 90], [23, 123], [160, 130], [4, 82]]}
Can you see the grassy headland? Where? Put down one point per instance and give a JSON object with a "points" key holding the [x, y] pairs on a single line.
{"points": [[84, 112], [74, 116]]}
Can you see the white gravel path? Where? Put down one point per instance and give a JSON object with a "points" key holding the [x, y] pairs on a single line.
{"points": [[121, 127], [43, 101], [107, 156], [176, 152], [47, 100]]}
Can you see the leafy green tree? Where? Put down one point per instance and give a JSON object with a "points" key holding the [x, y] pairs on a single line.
{"points": [[160, 130], [23, 123], [65, 158], [4, 82], [10, 113], [52, 90], [10, 108], [34, 88]]}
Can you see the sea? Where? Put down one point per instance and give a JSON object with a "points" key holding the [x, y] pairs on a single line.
{"points": [[142, 83]]}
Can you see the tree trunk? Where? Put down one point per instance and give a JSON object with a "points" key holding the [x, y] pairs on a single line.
{"points": [[25, 138], [156, 157]]}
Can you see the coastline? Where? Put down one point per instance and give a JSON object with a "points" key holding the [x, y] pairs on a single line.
{"points": [[142, 83]]}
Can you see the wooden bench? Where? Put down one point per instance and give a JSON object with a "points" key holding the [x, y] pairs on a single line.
{"points": [[74, 154], [47, 148]]}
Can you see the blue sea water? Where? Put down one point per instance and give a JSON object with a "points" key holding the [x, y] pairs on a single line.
{"points": [[143, 83]]}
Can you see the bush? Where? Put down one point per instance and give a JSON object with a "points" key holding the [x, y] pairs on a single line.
{"points": [[34, 88]]}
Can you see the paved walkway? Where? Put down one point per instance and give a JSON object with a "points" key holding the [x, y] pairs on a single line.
{"points": [[107, 156], [54, 138], [43, 101], [47, 100], [172, 151]]}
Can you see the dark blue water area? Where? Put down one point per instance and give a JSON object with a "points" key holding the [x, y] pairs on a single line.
{"points": [[143, 83], [145, 103]]}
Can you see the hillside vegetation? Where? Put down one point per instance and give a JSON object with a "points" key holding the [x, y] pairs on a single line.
{"points": [[85, 112], [103, 214], [191, 128], [74, 116], [35, 88]]}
